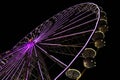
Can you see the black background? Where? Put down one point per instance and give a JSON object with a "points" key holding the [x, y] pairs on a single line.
{"points": [[18, 18]]}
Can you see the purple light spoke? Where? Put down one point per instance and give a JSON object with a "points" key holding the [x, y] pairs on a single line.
{"points": [[35, 51], [17, 64], [51, 57], [44, 30], [27, 75], [61, 19], [28, 65], [62, 53], [75, 26], [13, 61], [51, 31], [71, 23], [10, 70], [7, 64], [80, 11], [12, 52], [46, 33], [14, 58], [60, 45], [58, 61], [59, 23], [78, 33], [42, 49], [27, 72], [39, 64], [83, 17], [80, 15], [9, 67], [20, 71], [40, 70], [17, 69]]}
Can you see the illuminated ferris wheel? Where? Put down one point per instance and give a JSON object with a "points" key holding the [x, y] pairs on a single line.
{"points": [[74, 34]]}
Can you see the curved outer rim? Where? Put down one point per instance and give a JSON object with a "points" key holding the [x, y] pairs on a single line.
{"points": [[85, 43]]}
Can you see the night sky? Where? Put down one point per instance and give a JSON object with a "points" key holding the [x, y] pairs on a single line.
{"points": [[18, 18]]}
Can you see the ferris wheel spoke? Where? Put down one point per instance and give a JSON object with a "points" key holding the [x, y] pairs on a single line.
{"points": [[59, 23], [42, 66], [10, 65], [63, 18], [40, 71], [10, 70], [11, 61], [14, 58], [43, 70], [52, 57], [19, 64], [62, 53], [51, 30], [27, 70], [28, 64], [15, 51], [27, 74], [21, 69], [14, 69], [72, 21], [7, 64], [59, 45], [74, 34], [57, 33], [73, 27], [58, 61], [77, 16], [68, 51]]}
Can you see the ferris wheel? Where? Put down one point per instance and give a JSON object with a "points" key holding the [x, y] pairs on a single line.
{"points": [[72, 35]]}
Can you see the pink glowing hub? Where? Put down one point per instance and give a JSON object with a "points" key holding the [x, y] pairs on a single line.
{"points": [[30, 44]]}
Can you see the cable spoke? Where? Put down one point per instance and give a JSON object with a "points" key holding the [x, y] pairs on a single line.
{"points": [[38, 63], [62, 53], [20, 71], [10, 69], [75, 26], [16, 57], [80, 15], [59, 45], [78, 33], [71, 22], [14, 69], [42, 66], [40, 70], [52, 57], [15, 51], [17, 69]]}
